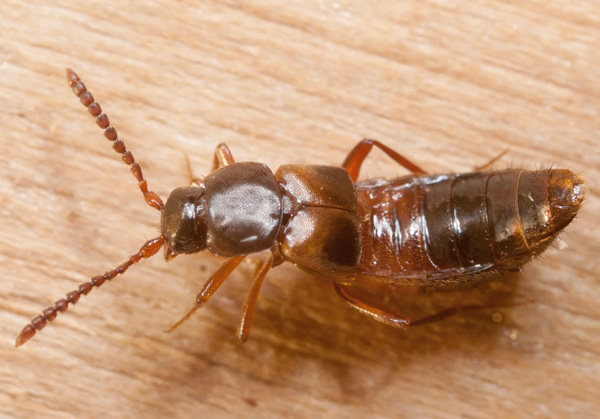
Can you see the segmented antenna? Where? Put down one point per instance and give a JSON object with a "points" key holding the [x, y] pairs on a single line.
{"points": [[150, 248], [110, 133]]}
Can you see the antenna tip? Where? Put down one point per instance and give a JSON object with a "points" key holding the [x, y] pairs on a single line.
{"points": [[72, 77], [27, 333]]}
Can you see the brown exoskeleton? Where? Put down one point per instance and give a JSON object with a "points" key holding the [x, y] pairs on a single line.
{"points": [[415, 233]]}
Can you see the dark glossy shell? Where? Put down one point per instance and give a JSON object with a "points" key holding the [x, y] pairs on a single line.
{"points": [[243, 204]]}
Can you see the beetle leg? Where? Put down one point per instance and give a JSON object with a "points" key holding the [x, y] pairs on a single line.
{"points": [[489, 163], [223, 157], [194, 181], [358, 154], [383, 316], [449, 312], [212, 285], [402, 322], [250, 301]]}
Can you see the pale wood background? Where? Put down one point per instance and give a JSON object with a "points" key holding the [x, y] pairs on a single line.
{"points": [[448, 83]]}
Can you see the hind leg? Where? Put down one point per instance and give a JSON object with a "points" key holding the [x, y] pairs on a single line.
{"points": [[491, 162], [355, 159], [402, 322], [383, 316]]}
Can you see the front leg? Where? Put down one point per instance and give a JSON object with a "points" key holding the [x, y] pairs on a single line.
{"points": [[223, 157], [209, 288], [250, 300]]}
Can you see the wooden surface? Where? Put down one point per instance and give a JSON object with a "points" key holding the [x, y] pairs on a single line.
{"points": [[450, 84]]}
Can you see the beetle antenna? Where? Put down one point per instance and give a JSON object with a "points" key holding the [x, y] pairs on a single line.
{"points": [[150, 248], [87, 100]]}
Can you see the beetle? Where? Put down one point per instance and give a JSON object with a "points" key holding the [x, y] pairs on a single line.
{"points": [[415, 233]]}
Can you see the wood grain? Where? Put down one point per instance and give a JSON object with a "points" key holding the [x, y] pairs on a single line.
{"points": [[450, 84]]}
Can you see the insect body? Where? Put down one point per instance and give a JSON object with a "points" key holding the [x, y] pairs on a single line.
{"points": [[415, 233]]}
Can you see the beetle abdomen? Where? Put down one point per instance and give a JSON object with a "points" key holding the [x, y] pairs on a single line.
{"points": [[423, 228]]}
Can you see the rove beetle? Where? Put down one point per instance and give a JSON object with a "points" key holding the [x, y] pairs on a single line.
{"points": [[416, 233]]}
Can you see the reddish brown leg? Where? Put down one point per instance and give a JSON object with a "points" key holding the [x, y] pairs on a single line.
{"points": [[110, 133], [383, 316], [449, 312], [250, 301], [212, 285], [358, 154], [491, 162], [402, 322], [223, 157], [194, 181], [37, 323]]}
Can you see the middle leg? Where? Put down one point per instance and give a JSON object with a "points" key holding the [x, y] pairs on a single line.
{"points": [[396, 320], [250, 301]]}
